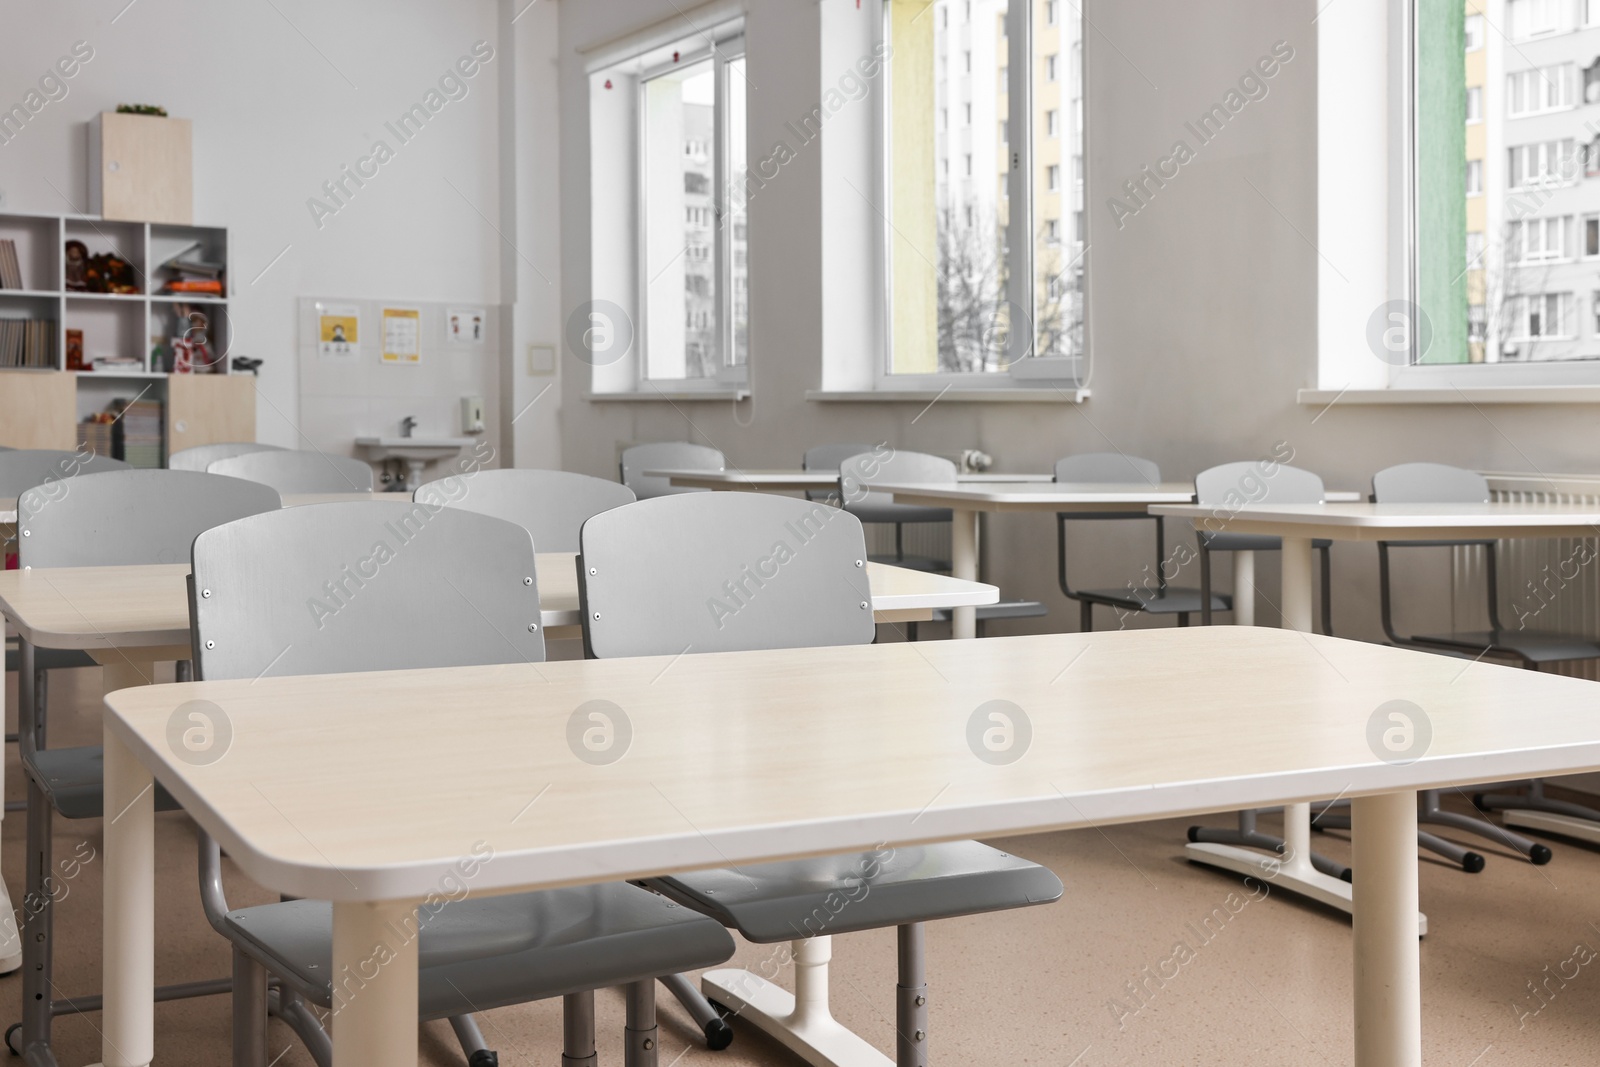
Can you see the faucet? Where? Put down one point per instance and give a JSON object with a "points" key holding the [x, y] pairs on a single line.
{"points": [[408, 424]]}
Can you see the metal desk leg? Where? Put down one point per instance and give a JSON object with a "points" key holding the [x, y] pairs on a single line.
{"points": [[964, 565], [1388, 970]]}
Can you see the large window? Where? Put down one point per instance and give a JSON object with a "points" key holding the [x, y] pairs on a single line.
{"points": [[985, 227], [694, 267]]}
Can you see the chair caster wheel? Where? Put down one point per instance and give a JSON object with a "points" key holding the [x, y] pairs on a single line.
{"points": [[719, 1035], [1539, 855], [1348, 875], [1472, 863], [12, 1037], [483, 1058], [1194, 834]]}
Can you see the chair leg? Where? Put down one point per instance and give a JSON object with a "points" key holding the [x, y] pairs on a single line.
{"points": [[38, 917], [41, 706], [249, 1012], [1462, 857], [911, 631], [911, 999], [1533, 800], [1428, 811], [719, 1035], [577, 1030], [303, 1021], [470, 1038], [1247, 836], [1183, 618], [1085, 616], [1327, 593], [639, 1050]]}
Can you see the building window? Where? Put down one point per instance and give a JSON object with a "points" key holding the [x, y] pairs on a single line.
{"points": [[1533, 18], [1053, 178], [1052, 233], [1591, 12], [1052, 123], [1474, 250], [1540, 316], [969, 114], [1474, 104], [1537, 240], [1591, 236], [1052, 68], [969, 61], [1544, 163], [1531, 92], [1474, 32], [1474, 177], [1050, 12]]}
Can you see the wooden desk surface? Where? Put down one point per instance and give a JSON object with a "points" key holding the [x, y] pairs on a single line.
{"points": [[1044, 496], [1396, 522], [8, 505], [373, 786], [787, 480], [148, 606]]}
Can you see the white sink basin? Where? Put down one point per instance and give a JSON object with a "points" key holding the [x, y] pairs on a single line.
{"points": [[410, 448]]}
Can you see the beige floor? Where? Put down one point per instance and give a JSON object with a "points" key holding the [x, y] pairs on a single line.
{"points": [[1049, 985]]}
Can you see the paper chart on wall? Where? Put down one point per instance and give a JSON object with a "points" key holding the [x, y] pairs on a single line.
{"points": [[402, 335], [339, 330]]}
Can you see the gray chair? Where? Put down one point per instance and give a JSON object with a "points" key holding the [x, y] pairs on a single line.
{"points": [[120, 518], [1436, 483], [666, 455], [1226, 487], [828, 458], [463, 595], [1151, 593], [643, 573], [550, 505], [200, 457], [857, 475], [298, 472]]}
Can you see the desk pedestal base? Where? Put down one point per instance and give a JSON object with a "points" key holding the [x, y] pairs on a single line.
{"points": [[1551, 823], [801, 1023]]}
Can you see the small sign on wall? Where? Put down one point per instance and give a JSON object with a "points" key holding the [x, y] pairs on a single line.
{"points": [[402, 336], [339, 330], [465, 326]]}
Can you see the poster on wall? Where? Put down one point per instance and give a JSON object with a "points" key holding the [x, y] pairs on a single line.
{"points": [[402, 335], [339, 330], [465, 326]]}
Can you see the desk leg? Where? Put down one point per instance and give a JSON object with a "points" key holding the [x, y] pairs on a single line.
{"points": [[130, 910], [375, 984], [1244, 588], [964, 565], [1388, 971], [801, 1023]]}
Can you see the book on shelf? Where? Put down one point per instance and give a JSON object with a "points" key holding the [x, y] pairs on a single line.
{"points": [[136, 435], [27, 343], [205, 286], [10, 265]]}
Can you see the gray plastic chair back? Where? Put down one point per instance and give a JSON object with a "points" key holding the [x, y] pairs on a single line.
{"points": [[129, 517], [858, 473], [1108, 468], [6, 448], [828, 458], [298, 472], [1231, 485], [550, 505], [666, 455], [335, 588], [200, 457], [722, 572], [1429, 483], [24, 469]]}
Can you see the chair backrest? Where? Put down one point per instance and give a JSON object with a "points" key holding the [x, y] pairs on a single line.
{"points": [[6, 448], [550, 505], [337, 588], [828, 458], [135, 516], [298, 472], [1256, 482], [24, 469], [722, 572], [200, 457], [666, 455], [1109, 468], [1429, 483], [884, 465]]}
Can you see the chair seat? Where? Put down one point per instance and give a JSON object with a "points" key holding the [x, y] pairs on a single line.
{"points": [[863, 890], [482, 953], [73, 779], [1173, 600], [50, 659], [1536, 646], [871, 511], [1234, 542], [1006, 609]]}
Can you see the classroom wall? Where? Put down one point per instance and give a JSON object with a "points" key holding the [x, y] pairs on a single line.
{"points": [[1204, 305], [283, 96]]}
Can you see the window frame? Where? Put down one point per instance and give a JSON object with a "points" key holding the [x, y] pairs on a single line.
{"points": [[722, 49]]}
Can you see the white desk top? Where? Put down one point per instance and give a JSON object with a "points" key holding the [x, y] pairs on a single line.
{"points": [[795, 480], [1044, 496], [1396, 522], [8, 505], [372, 786], [148, 606]]}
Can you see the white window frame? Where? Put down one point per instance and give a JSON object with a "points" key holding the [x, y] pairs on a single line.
{"points": [[1474, 105], [1050, 374], [1474, 177], [1474, 32], [721, 49]]}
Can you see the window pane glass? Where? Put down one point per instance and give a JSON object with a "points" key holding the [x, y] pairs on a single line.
{"points": [[680, 224], [1502, 230], [738, 221], [1058, 213]]}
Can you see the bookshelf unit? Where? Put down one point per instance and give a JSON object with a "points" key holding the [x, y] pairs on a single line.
{"points": [[126, 326]]}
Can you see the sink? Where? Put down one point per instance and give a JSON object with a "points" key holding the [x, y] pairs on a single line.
{"points": [[417, 452]]}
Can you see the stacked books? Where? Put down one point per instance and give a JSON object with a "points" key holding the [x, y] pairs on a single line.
{"points": [[193, 274], [136, 435], [10, 265], [94, 434], [27, 343]]}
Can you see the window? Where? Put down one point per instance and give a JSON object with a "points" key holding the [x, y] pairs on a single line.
{"points": [[1594, 302], [694, 318], [1541, 316], [1537, 240], [1474, 177], [1474, 104], [1591, 236], [1545, 163], [1533, 91], [1003, 280], [1474, 249], [1591, 12], [969, 61], [1532, 18], [1474, 32], [969, 114]]}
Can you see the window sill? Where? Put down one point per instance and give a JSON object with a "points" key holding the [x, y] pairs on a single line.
{"points": [[672, 395], [1509, 394], [1043, 395]]}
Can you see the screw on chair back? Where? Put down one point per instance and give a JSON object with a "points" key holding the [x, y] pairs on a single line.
{"points": [[128, 517], [720, 572], [335, 588], [666, 455], [200, 457], [550, 505], [298, 472]]}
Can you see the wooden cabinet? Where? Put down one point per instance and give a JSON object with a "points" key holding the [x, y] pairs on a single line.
{"points": [[141, 168], [37, 409], [209, 409]]}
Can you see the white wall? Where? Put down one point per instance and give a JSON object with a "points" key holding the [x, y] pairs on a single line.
{"points": [[1204, 305], [282, 95]]}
